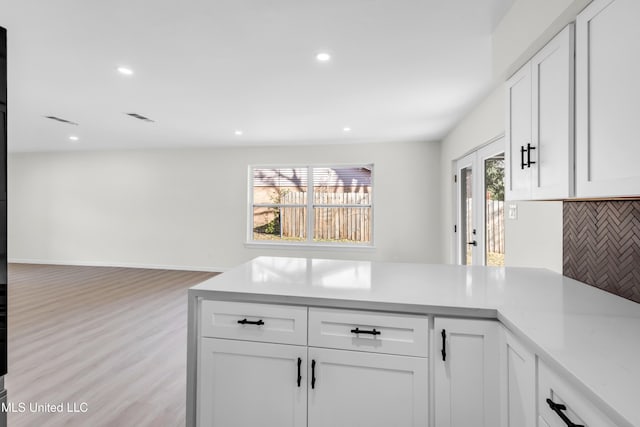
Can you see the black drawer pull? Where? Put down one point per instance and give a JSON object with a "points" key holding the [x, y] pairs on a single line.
{"points": [[361, 331], [313, 374], [299, 376], [558, 408], [444, 343], [251, 322]]}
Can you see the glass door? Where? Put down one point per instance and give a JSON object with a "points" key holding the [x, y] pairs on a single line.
{"points": [[491, 159], [479, 226], [466, 228]]}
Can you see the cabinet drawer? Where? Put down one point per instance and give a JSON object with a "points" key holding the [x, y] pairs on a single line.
{"points": [[254, 322], [368, 331], [578, 408]]}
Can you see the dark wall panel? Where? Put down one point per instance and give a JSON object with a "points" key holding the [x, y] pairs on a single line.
{"points": [[3, 202]]}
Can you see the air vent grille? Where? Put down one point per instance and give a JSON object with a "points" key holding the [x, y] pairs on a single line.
{"points": [[58, 119], [139, 117]]}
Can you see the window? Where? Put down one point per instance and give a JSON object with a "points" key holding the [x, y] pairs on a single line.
{"points": [[311, 204]]}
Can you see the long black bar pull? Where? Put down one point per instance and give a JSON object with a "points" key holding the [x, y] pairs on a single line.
{"points": [[362, 331], [529, 162], [313, 374], [558, 408], [299, 375], [251, 322], [522, 151], [444, 345]]}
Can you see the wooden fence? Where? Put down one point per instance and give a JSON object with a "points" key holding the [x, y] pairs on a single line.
{"points": [[495, 226], [333, 220]]}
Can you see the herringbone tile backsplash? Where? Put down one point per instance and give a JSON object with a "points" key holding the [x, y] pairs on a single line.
{"points": [[602, 245]]}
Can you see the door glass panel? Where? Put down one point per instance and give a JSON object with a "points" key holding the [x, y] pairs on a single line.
{"points": [[466, 206], [494, 210]]}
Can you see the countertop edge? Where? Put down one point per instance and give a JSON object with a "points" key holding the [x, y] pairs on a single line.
{"points": [[437, 310]]}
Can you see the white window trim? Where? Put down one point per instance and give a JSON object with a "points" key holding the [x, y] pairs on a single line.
{"points": [[309, 243]]}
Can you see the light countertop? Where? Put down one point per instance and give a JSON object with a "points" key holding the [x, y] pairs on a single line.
{"points": [[592, 335]]}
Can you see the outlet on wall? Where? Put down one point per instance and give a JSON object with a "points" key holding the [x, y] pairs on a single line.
{"points": [[513, 211]]}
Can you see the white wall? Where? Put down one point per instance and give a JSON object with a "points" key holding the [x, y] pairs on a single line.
{"points": [[483, 124], [526, 28], [187, 208], [535, 238]]}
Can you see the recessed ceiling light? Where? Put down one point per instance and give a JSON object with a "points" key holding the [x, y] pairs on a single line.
{"points": [[238, 132], [346, 129], [323, 57], [74, 138], [126, 71]]}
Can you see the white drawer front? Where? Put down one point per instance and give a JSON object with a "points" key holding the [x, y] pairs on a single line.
{"points": [[254, 322], [578, 409], [368, 331]]}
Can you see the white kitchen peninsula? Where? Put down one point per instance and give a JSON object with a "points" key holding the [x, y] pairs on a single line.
{"points": [[310, 322]]}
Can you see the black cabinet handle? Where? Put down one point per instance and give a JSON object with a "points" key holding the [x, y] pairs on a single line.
{"points": [[251, 322], [474, 243], [360, 331], [558, 408], [529, 162], [444, 343], [522, 151], [299, 376], [313, 374]]}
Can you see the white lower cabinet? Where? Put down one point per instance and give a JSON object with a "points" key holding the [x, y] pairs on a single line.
{"points": [[351, 368], [518, 377], [466, 373], [357, 389], [243, 383]]}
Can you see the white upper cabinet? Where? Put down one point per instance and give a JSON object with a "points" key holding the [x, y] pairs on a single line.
{"points": [[608, 99], [539, 126], [518, 135]]}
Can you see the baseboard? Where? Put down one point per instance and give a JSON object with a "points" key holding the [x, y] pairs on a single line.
{"points": [[121, 264]]}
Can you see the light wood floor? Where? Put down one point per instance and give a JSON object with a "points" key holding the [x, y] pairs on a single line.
{"points": [[114, 338]]}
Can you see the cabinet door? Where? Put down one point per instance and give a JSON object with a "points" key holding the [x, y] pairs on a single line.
{"points": [[518, 135], [357, 389], [552, 71], [518, 373], [466, 373], [608, 99], [244, 383]]}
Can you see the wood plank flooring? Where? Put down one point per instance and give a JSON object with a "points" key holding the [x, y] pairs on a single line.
{"points": [[112, 338]]}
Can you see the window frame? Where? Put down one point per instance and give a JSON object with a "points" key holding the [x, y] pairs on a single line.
{"points": [[310, 218]]}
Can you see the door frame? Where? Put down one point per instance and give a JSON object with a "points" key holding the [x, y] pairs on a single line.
{"points": [[470, 160], [475, 159]]}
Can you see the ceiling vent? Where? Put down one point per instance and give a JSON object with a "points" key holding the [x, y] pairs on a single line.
{"points": [[58, 119], [139, 117]]}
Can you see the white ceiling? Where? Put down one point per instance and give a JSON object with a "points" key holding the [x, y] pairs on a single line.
{"points": [[400, 70]]}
